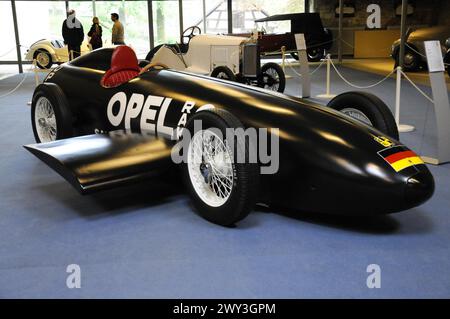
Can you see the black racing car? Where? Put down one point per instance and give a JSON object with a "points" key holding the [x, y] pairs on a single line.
{"points": [[330, 162]]}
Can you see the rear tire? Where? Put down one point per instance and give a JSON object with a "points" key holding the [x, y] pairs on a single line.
{"points": [[364, 106], [315, 54], [43, 59], [234, 201], [223, 72], [51, 117]]}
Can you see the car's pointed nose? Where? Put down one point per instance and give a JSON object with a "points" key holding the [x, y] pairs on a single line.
{"points": [[419, 188]]}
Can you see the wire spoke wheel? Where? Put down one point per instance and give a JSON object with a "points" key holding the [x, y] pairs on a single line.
{"points": [[271, 79], [42, 58], [45, 120], [210, 168], [223, 75]]}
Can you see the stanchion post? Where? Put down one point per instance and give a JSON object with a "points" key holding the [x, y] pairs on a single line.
{"points": [[328, 73], [304, 66], [398, 84], [283, 62], [436, 71], [402, 128], [328, 94], [36, 76]]}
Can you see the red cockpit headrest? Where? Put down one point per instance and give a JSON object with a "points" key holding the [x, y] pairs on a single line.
{"points": [[124, 58]]}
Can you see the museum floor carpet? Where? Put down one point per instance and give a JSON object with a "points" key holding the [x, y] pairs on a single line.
{"points": [[146, 241]]}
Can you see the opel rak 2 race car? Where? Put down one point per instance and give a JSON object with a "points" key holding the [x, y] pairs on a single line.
{"points": [[101, 121]]}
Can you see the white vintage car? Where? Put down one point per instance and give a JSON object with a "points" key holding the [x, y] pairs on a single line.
{"points": [[227, 57], [47, 52]]}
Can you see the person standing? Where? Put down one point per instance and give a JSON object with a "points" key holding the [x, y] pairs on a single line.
{"points": [[96, 34], [73, 34], [117, 30]]}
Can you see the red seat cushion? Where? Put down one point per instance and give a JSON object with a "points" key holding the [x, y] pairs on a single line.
{"points": [[124, 67]]}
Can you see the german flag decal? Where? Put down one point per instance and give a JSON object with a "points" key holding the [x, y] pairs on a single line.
{"points": [[400, 157]]}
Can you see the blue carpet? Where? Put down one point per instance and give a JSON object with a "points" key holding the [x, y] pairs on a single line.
{"points": [[145, 241]]}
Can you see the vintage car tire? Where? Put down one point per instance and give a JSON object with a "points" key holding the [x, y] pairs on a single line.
{"points": [[236, 204], [367, 105], [152, 52], [43, 59], [411, 61], [315, 54], [223, 72], [280, 73], [62, 115]]}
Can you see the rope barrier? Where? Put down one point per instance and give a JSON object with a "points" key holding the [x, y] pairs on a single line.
{"points": [[17, 86], [420, 54], [311, 73], [358, 86], [417, 88]]}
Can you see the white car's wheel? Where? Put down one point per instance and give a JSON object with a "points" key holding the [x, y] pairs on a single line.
{"points": [[43, 59], [223, 189]]}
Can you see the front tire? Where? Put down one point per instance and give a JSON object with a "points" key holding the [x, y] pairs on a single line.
{"points": [[366, 108], [272, 77], [223, 189], [51, 117], [43, 59], [411, 60]]}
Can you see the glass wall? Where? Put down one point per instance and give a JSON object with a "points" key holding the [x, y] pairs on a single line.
{"points": [[39, 20], [217, 16], [43, 19], [8, 47], [134, 17], [245, 12], [211, 15], [166, 22], [83, 11]]}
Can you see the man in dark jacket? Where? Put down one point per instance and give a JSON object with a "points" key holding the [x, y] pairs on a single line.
{"points": [[73, 34]]}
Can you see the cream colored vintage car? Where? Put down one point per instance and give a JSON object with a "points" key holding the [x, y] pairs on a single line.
{"points": [[48, 52], [227, 57]]}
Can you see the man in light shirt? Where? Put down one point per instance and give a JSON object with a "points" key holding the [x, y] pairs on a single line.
{"points": [[117, 30]]}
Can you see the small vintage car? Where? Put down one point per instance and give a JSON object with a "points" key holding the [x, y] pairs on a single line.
{"points": [[415, 56], [48, 52], [341, 159], [220, 56]]}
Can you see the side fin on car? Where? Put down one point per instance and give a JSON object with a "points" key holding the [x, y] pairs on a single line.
{"points": [[95, 162]]}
